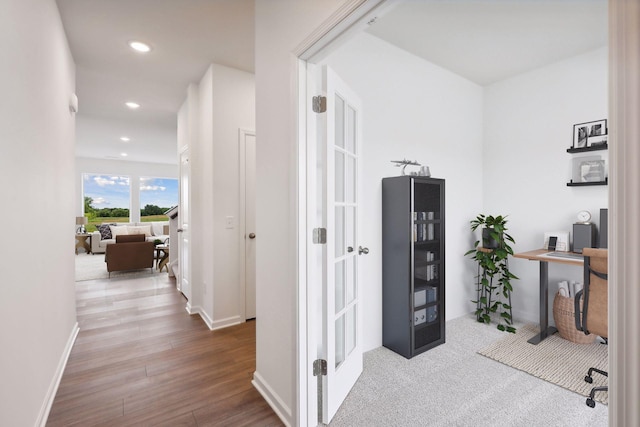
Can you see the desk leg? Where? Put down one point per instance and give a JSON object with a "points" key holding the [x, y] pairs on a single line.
{"points": [[545, 329]]}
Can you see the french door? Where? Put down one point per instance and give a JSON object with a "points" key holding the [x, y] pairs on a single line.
{"points": [[342, 311]]}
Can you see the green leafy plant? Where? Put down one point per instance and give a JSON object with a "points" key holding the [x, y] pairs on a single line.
{"points": [[493, 284]]}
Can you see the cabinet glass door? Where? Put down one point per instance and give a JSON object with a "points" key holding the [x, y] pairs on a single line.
{"points": [[427, 267]]}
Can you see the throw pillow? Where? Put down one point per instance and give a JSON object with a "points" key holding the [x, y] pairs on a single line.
{"points": [[119, 230], [140, 229], [105, 231]]}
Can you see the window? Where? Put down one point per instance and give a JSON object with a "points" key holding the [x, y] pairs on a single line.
{"points": [[157, 195], [106, 198]]}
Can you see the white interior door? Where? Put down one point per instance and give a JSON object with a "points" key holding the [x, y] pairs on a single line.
{"points": [[248, 214], [184, 244], [342, 313]]}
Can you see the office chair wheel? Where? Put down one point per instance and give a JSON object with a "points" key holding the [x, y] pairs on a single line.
{"points": [[591, 403], [588, 379]]}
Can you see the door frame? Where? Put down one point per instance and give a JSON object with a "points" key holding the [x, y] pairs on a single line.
{"points": [[346, 21], [242, 135]]}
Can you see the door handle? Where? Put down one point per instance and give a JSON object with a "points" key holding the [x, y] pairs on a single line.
{"points": [[349, 249], [252, 235], [179, 230], [362, 250]]}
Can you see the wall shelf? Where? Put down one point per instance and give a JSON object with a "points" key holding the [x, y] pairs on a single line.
{"points": [[586, 184], [604, 146]]}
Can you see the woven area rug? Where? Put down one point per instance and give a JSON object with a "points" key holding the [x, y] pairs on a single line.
{"points": [[92, 267], [555, 360]]}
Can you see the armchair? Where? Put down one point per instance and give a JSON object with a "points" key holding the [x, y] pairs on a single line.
{"points": [[594, 316], [129, 252]]}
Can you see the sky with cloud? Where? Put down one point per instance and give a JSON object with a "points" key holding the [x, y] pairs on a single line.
{"points": [[111, 191], [162, 192]]}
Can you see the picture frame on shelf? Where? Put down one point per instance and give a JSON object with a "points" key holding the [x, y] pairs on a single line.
{"points": [[590, 134], [580, 133], [597, 141]]}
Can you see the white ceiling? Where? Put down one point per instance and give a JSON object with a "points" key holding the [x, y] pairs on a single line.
{"points": [[482, 40], [186, 36], [487, 41]]}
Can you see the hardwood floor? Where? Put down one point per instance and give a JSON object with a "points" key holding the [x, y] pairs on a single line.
{"points": [[140, 359]]}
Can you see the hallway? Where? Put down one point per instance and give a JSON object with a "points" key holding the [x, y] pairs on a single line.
{"points": [[141, 359]]}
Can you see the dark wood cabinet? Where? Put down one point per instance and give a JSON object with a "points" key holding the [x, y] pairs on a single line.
{"points": [[413, 264]]}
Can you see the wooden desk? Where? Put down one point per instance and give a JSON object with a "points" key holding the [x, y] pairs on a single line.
{"points": [[539, 255]]}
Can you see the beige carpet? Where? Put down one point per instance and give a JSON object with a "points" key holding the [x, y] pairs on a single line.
{"points": [[92, 267], [555, 360]]}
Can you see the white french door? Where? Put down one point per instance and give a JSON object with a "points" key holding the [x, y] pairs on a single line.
{"points": [[342, 311]]}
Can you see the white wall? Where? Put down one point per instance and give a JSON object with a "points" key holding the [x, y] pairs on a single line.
{"points": [[233, 109], [37, 295], [280, 26], [202, 203], [134, 170], [226, 104], [418, 111], [528, 127]]}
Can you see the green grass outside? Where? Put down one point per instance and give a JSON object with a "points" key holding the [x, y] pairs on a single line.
{"points": [[94, 222]]}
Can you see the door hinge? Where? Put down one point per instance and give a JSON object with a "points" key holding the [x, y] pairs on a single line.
{"points": [[320, 236], [320, 370], [319, 104], [319, 367]]}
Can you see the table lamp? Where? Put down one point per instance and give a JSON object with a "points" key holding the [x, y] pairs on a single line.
{"points": [[81, 221]]}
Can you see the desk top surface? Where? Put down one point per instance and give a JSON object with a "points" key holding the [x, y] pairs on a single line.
{"points": [[540, 255]]}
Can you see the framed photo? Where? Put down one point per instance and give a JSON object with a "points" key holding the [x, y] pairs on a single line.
{"points": [[596, 141], [590, 134]]}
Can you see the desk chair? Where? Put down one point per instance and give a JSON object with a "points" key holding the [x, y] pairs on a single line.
{"points": [[594, 318]]}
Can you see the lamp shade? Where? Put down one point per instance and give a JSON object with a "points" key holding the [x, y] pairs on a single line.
{"points": [[81, 220]]}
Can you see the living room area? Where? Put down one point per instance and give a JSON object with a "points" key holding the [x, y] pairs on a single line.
{"points": [[122, 201]]}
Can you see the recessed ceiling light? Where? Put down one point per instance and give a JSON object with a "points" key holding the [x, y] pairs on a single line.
{"points": [[132, 105], [124, 154], [139, 46], [125, 139]]}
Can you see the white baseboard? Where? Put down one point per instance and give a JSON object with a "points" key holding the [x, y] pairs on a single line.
{"points": [[223, 323], [278, 406], [55, 382], [211, 324], [190, 309], [203, 314]]}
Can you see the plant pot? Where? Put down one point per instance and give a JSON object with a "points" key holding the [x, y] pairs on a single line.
{"points": [[487, 241]]}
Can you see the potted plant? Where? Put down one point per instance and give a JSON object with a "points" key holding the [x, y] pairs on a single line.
{"points": [[493, 285]]}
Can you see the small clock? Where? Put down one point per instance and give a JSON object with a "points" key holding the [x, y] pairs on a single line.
{"points": [[584, 217]]}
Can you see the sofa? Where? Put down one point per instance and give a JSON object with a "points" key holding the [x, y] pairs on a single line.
{"points": [[107, 233], [129, 252]]}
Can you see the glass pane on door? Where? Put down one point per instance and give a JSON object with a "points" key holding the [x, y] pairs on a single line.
{"points": [[340, 350], [339, 177], [350, 279], [339, 122], [339, 232], [350, 330], [351, 130], [339, 286], [351, 179]]}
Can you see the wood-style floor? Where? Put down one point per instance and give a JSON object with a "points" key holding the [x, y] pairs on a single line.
{"points": [[140, 359]]}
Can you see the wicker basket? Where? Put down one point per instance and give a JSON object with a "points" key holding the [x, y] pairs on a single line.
{"points": [[564, 316]]}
